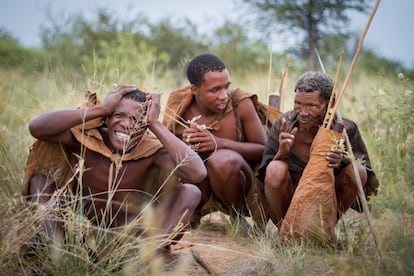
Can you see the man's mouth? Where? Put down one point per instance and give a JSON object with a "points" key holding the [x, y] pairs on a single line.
{"points": [[222, 106], [123, 136], [305, 121]]}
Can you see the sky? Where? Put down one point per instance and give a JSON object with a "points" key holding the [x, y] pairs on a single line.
{"points": [[390, 35]]}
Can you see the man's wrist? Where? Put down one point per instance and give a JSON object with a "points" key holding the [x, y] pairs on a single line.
{"points": [[344, 162], [279, 156], [153, 124]]}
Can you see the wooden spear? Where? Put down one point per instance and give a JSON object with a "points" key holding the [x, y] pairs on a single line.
{"points": [[354, 60], [335, 110]]}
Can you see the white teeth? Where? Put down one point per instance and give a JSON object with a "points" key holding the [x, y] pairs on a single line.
{"points": [[122, 136]]}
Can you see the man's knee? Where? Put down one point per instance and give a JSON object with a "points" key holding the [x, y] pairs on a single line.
{"points": [[38, 184], [190, 194], [225, 162], [40, 188], [346, 178], [362, 171], [276, 174], [346, 185]]}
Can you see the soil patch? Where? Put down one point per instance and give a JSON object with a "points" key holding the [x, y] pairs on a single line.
{"points": [[211, 245]]}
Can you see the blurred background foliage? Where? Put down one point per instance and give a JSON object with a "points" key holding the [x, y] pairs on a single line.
{"points": [[69, 41]]}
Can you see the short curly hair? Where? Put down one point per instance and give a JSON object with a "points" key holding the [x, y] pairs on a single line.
{"points": [[202, 64], [315, 81], [136, 95]]}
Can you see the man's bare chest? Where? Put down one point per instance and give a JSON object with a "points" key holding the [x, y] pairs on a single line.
{"points": [[302, 146], [224, 126], [101, 173]]}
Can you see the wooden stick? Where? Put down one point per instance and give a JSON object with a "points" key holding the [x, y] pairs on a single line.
{"points": [[174, 119], [269, 78], [361, 192], [202, 263], [282, 84], [354, 60], [336, 77], [335, 110], [329, 111], [360, 189]]}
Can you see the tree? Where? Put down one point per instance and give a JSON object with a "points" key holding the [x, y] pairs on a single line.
{"points": [[11, 53], [231, 43], [371, 63], [178, 39], [312, 20]]}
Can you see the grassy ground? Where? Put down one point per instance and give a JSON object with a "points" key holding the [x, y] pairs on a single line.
{"points": [[383, 108]]}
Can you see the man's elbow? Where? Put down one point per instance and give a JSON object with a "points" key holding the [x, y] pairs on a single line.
{"points": [[33, 129]]}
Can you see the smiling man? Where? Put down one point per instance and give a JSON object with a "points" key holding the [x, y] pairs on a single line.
{"points": [[119, 142], [223, 126], [288, 150]]}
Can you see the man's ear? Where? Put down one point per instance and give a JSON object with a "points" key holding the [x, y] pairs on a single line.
{"points": [[194, 89]]}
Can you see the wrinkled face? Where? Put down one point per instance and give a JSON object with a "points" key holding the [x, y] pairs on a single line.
{"points": [[214, 92], [311, 109], [127, 125]]}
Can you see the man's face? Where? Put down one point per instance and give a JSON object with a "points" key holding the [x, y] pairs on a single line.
{"points": [[311, 109], [126, 125], [214, 92]]}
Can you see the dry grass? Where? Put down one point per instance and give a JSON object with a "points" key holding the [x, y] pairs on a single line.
{"points": [[25, 250]]}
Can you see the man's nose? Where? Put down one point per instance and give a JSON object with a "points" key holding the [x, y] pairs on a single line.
{"points": [[304, 111], [127, 123], [223, 95]]}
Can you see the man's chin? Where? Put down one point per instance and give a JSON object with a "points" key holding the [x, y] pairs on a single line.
{"points": [[305, 126], [308, 126], [124, 146]]}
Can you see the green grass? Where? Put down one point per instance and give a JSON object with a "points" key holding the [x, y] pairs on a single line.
{"points": [[383, 108]]}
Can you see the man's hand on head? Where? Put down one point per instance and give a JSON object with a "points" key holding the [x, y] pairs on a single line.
{"points": [[154, 106], [113, 98]]}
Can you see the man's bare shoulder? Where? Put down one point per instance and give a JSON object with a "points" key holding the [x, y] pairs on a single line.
{"points": [[246, 105], [247, 111]]}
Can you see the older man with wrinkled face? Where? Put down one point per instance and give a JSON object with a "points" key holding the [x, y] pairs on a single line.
{"points": [[287, 150]]}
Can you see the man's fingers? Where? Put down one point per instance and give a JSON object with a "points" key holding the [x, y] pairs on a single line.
{"points": [[334, 159], [123, 89], [154, 96], [189, 135], [283, 127]]}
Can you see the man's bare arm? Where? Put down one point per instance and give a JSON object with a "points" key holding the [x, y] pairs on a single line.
{"points": [[55, 126], [193, 169], [252, 148]]}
